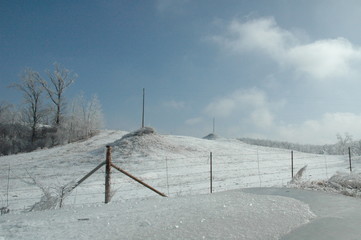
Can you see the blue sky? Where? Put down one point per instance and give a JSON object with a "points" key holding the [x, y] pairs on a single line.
{"points": [[282, 69]]}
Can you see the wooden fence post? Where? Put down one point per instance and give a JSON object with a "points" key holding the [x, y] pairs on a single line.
{"points": [[108, 162]]}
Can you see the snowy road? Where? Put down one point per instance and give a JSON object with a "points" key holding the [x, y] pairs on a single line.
{"points": [[338, 216]]}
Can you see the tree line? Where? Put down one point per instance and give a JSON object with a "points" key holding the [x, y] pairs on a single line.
{"points": [[339, 148], [45, 118]]}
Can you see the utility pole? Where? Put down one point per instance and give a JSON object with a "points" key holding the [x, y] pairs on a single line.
{"points": [[214, 125], [143, 108]]}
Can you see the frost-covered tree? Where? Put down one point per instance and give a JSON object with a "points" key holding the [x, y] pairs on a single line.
{"points": [[93, 116], [59, 80], [85, 118], [339, 148], [34, 111], [343, 143], [5, 113], [33, 127], [8, 134]]}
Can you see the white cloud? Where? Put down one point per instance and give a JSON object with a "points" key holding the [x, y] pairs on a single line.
{"points": [[175, 104], [260, 35], [262, 118], [249, 112], [325, 58], [194, 121], [222, 107], [239, 99], [323, 130], [250, 105], [320, 59]]}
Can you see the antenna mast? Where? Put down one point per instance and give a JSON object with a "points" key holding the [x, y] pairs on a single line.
{"points": [[214, 125], [143, 108]]}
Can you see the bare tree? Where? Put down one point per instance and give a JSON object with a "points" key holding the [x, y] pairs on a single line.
{"points": [[86, 117], [60, 80], [32, 92], [343, 143], [94, 116]]}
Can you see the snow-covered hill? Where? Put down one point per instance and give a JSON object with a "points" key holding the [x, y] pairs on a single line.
{"points": [[178, 166], [175, 165]]}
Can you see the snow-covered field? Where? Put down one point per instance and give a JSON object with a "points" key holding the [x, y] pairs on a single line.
{"points": [[175, 165], [178, 166], [226, 215]]}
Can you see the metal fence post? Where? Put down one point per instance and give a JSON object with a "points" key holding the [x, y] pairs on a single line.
{"points": [[292, 164], [167, 172], [349, 158], [211, 172]]}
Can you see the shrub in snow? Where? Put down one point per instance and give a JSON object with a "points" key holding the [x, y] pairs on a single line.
{"points": [[343, 183], [4, 210], [47, 201], [349, 181], [298, 175], [52, 197]]}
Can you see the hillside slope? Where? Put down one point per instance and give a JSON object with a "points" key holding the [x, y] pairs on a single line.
{"points": [[175, 165]]}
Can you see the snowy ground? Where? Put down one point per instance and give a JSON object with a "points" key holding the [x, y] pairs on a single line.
{"points": [[226, 215], [338, 216], [175, 165]]}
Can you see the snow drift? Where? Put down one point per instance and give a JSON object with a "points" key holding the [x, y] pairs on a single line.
{"points": [[226, 215]]}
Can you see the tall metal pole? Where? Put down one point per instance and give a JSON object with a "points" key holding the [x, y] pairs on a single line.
{"points": [[143, 108], [349, 158], [214, 125], [292, 164], [7, 188], [211, 172]]}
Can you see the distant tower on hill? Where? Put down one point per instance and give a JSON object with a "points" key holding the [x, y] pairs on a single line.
{"points": [[214, 125], [212, 136], [143, 108]]}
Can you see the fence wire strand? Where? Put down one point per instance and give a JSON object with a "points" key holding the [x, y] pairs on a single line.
{"points": [[22, 187]]}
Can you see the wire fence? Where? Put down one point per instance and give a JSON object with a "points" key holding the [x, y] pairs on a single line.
{"points": [[22, 187]]}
